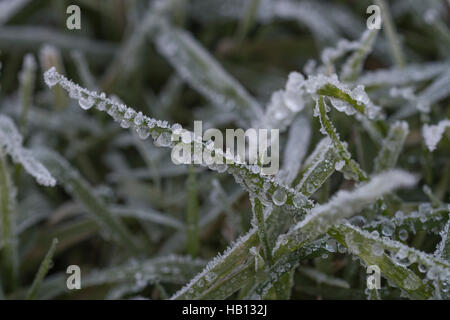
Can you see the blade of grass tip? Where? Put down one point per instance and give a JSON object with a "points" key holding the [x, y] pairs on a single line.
{"points": [[42, 272], [433, 199], [192, 232], [248, 19], [354, 64], [8, 246], [27, 79], [82, 191], [49, 57], [391, 33]]}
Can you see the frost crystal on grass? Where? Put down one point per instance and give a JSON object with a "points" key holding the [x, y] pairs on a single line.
{"points": [[11, 141], [433, 134]]}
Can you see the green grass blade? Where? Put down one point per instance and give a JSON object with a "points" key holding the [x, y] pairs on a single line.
{"points": [[8, 247], [344, 204], [42, 272], [354, 170], [192, 239]]}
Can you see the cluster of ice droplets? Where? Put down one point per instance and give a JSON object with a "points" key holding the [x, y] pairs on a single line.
{"points": [[358, 94]]}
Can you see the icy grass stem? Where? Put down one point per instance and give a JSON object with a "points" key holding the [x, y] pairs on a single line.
{"points": [[42, 272], [192, 238], [9, 262], [344, 154]]}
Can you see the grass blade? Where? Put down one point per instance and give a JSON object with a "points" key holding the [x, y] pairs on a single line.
{"points": [[43, 270]]}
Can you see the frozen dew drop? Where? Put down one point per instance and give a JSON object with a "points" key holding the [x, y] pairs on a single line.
{"points": [[399, 215], [411, 282], [403, 234], [51, 77], [339, 165], [402, 254], [101, 106], [299, 200], [377, 249], [358, 221], [375, 234], [422, 268], [74, 92], [388, 228], [279, 197], [176, 128], [222, 167], [86, 102], [330, 245], [341, 248], [125, 124], [129, 113], [139, 119], [142, 132], [186, 137], [164, 139]]}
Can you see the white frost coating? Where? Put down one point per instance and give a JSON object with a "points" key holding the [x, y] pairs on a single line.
{"points": [[433, 134], [343, 205], [11, 141], [285, 104]]}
